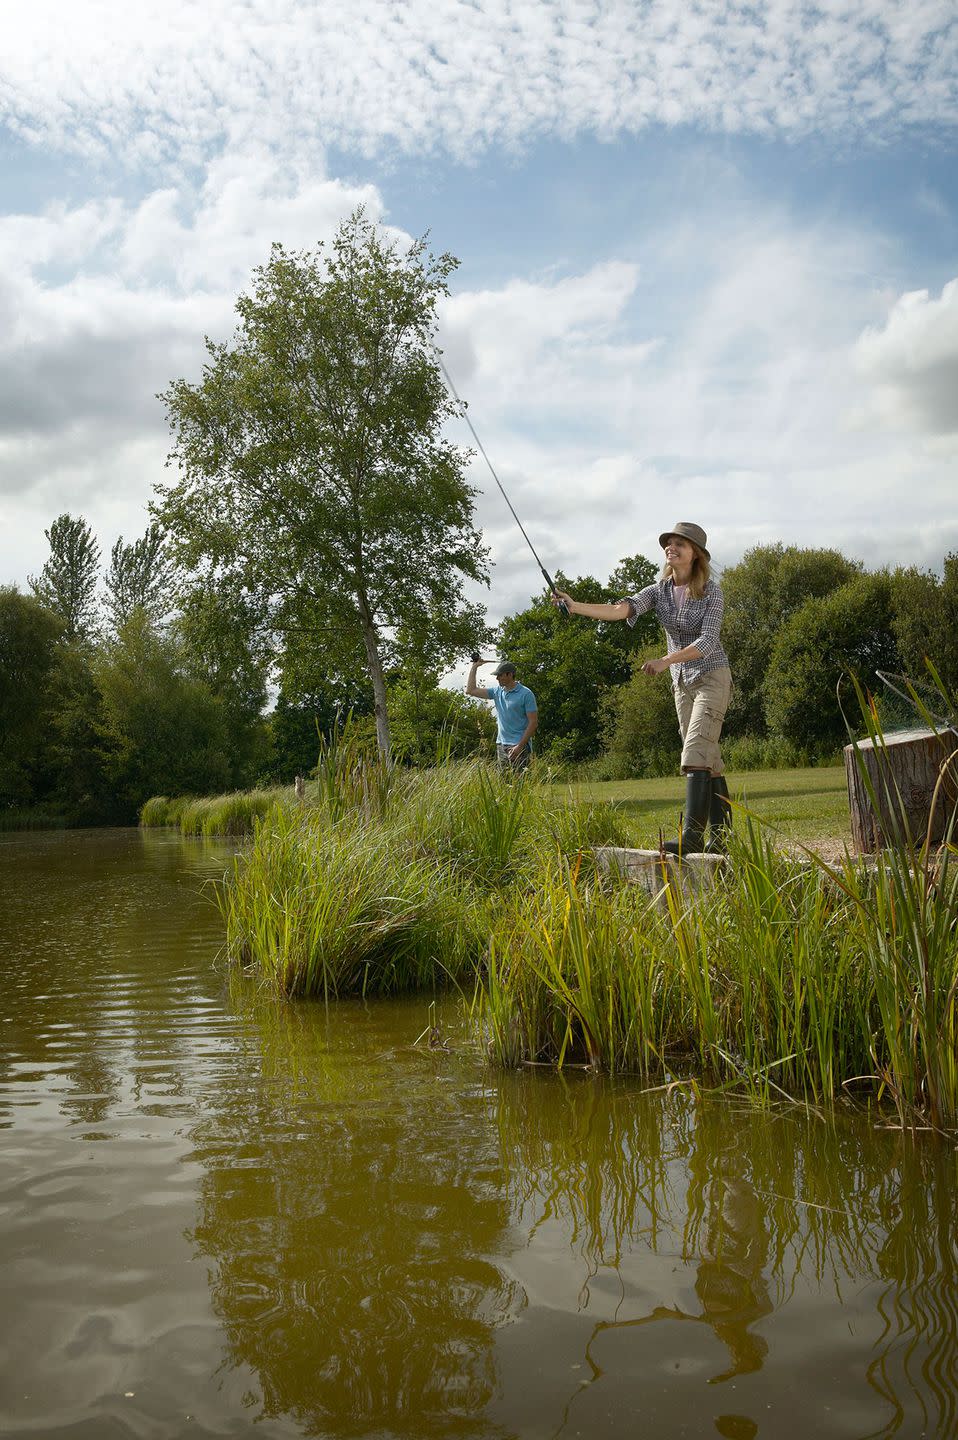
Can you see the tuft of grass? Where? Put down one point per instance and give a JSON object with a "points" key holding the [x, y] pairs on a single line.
{"points": [[156, 811], [321, 909]]}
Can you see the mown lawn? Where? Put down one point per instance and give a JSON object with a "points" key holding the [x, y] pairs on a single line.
{"points": [[810, 806]]}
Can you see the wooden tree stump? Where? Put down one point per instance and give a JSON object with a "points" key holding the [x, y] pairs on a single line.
{"points": [[911, 760]]}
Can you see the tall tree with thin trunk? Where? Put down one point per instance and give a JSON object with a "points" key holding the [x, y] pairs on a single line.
{"points": [[142, 574], [68, 581], [314, 475]]}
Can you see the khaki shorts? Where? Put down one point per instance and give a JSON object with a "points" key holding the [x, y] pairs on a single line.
{"points": [[701, 705]]}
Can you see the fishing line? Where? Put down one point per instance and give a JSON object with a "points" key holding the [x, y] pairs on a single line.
{"points": [[923, 711], [465, 415]]}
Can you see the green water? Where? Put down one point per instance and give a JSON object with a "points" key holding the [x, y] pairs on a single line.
{"points": [[225, 1215]]}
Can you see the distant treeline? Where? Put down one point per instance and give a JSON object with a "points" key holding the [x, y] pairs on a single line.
{"points": [[122, 681]]}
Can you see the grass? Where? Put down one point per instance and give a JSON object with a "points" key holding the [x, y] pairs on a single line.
{"points": [[234, 814], [792, 976], [809, 806]]}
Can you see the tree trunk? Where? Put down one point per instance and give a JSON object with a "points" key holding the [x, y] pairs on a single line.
{"points": [[375, 666], [904, 774]]}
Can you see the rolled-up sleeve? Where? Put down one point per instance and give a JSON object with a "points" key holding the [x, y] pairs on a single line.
{"points": [[708, 642], [641, 604]]}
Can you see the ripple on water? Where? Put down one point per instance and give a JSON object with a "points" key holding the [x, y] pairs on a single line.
{"points": [[218, 1210]]}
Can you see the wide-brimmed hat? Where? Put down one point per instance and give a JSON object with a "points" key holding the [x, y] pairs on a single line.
{"points": [[506, 668], [688, 531]]}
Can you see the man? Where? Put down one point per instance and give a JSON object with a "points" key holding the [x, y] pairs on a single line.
{"points": [[516, 713]]}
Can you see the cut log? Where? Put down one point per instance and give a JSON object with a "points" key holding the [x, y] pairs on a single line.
{"points": [[654, 872], [907, 765]]}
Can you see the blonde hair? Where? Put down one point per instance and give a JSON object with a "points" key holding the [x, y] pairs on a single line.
{"points": [[700, 576]]}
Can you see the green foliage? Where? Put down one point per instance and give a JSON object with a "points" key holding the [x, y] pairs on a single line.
{"points": [[28, 638], [68, 581], [143, 574], [640, 727], [315, 479], [925, 620], [78, 753], [221, 645], [568, 663], [848, 632], [761, 592], [165, 731], [430, 723]]}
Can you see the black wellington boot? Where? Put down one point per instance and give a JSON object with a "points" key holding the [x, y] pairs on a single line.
{"points": [[720, 816], [698, 798]]}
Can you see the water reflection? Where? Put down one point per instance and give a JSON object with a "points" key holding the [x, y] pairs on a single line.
{"points": [[353, 1207], [836, 1239], [241, 1210]]}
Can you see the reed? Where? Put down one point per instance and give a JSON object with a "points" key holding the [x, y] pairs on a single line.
{"points": [[321, 909], [155, 811], [791, 977], [906, 909]]}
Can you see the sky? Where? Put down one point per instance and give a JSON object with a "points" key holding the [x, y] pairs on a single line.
{"points": [[708, 251]]}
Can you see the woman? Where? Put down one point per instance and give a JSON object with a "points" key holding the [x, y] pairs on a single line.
{"points": [[690, 605]]}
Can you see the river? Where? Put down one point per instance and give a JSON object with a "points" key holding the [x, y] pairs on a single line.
{"points": [[223, 1214]]}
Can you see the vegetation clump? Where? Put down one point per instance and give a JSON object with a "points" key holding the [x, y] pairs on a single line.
{"points": [[789, 977]]}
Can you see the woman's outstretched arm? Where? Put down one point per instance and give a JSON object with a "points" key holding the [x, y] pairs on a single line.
{"points": [[618, 611]]}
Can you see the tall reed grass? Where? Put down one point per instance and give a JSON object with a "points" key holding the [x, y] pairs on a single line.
{"points": [[789, 977], [387, 879], [234, 814]]}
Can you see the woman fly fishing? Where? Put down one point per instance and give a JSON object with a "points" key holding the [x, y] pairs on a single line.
{"points": [[689, 605]]}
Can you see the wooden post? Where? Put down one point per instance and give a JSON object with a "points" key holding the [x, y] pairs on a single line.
{"points": [[911, 760]]}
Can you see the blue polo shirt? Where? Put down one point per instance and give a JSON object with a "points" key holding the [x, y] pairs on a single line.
{"points": [[513, 708]]}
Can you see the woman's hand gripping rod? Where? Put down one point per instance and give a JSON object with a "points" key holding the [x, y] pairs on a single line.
{"points": [[465, 415]]}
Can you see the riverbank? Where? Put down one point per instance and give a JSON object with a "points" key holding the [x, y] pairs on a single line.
{"points": [[807, 806], [814, 980]]}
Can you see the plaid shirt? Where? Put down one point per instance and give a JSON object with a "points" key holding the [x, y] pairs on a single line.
{"points": [[697, 623]]}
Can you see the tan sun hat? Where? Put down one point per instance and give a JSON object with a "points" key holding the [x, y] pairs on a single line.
{"points": [[688, 531]]}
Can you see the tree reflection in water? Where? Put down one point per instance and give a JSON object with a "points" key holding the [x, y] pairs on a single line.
{"points": [[353, 1208], [369, 1211]]}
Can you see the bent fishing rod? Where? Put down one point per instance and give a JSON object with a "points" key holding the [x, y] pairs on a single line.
{"points": [[465, 415]]}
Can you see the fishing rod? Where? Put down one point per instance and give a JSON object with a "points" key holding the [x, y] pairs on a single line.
{"points": [[465, 415]]}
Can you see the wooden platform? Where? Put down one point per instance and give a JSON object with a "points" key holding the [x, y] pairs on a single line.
{"points": [[690, 876]]}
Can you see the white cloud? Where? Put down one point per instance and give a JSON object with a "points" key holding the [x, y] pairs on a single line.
{"points": [[174, 80], [912, 361], [704, 372], [101, 306]]}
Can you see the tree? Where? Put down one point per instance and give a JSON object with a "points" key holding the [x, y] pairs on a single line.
{"points": [[221, 643], [568, 662], [926, 621], [67, 583], [846, 632], [300, 718], [164, 731], [29, 633], [767, 586], [314, 475], [429, 722], [140, 574], [639, 725], [77, 752]]}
